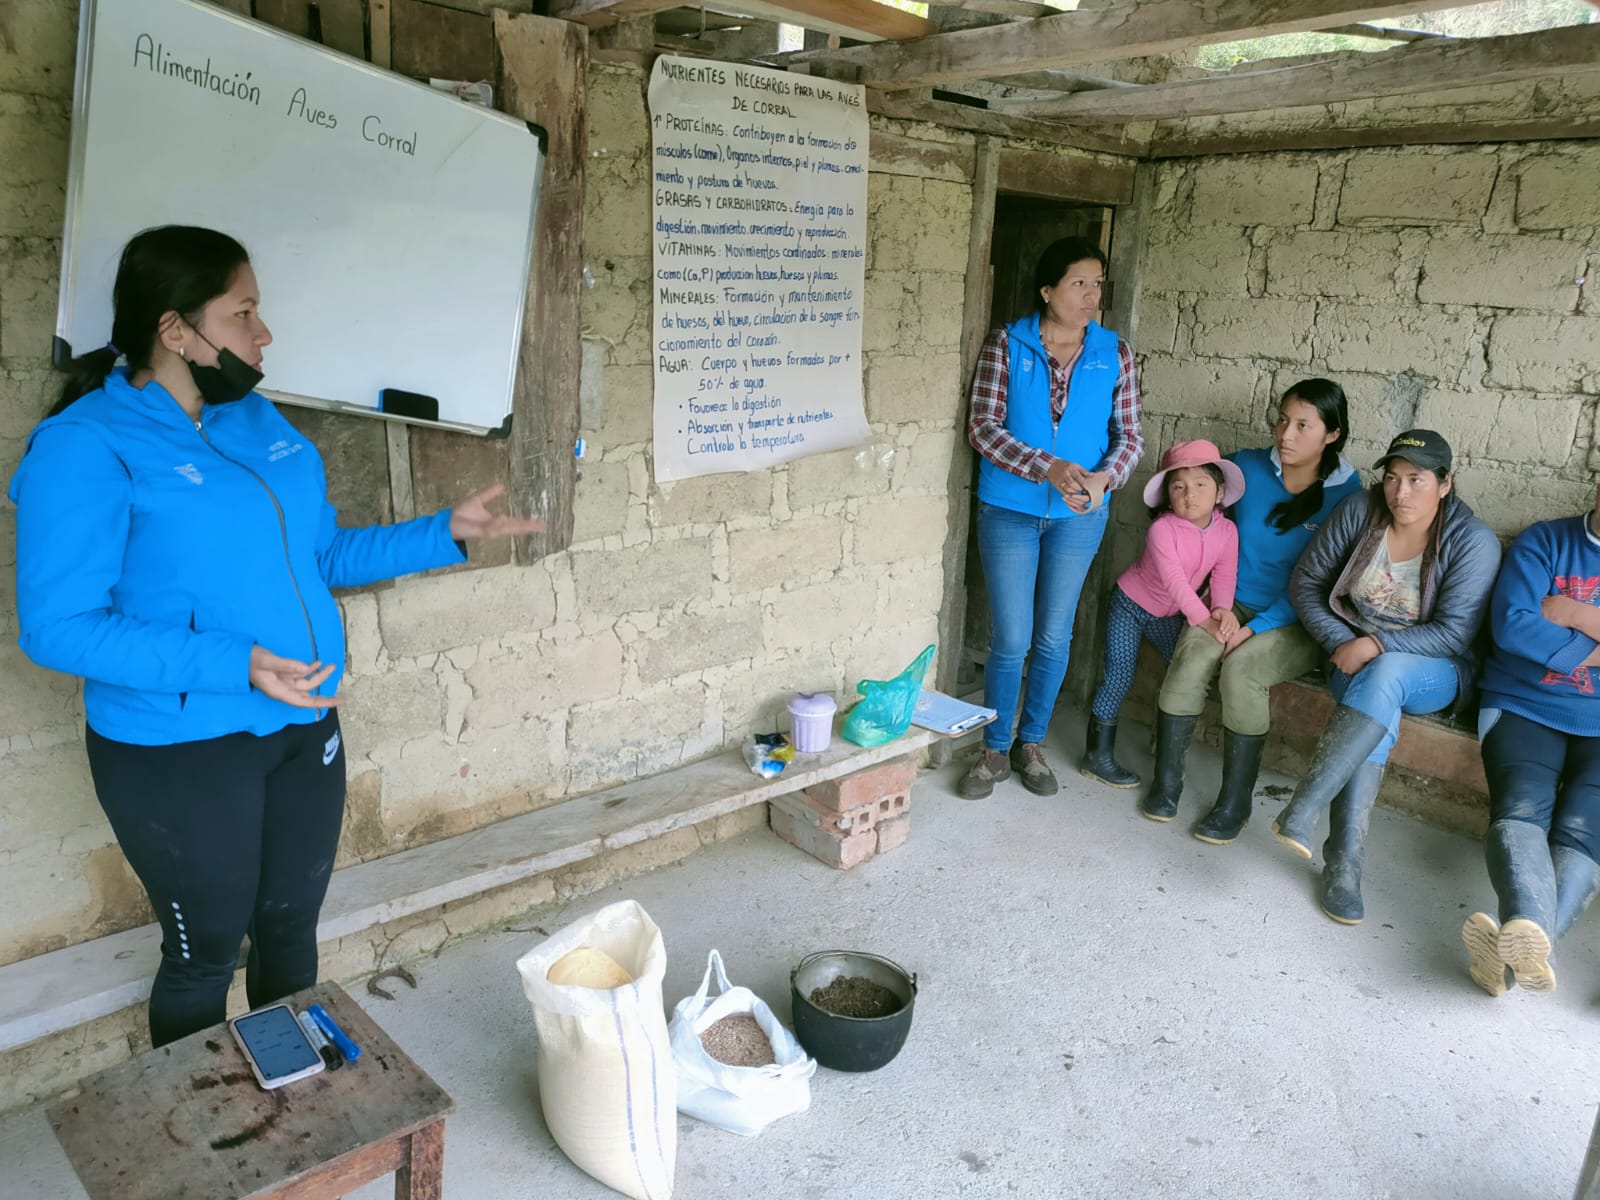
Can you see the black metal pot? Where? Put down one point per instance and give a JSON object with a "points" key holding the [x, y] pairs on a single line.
{"points": [[850, 1043]]}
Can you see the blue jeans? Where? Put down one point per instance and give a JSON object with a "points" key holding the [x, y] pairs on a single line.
{"points": [[1392, 684], [1034, 569]]}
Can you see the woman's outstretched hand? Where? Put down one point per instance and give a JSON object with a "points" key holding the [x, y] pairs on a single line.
{"points": [[471, 520], [290, 680]]}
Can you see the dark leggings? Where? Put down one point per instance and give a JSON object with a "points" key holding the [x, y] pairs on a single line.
{"points": [[230, 836], [1546, 778], [1126, 625]]}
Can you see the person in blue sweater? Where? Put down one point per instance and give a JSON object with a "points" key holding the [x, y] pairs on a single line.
{"points": [[176, 549], [1289, 491], [1539, 733]]}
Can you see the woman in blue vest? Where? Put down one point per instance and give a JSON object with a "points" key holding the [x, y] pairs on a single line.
{"points": [[175, 549], [1055, 421]]}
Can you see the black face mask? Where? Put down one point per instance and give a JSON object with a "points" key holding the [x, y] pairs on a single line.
{"points": [[231, 379]]}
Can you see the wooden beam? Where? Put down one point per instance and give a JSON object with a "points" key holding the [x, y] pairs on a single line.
{"points": [[859, 20], [1059, 176], [1169, 144], [1355, 75], [1096, 35], [543, 73], [981, 120], [959, 487], [1385, 33], [598, 14]]}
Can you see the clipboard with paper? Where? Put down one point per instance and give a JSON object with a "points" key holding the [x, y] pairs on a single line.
{"points": [[948, 715]]}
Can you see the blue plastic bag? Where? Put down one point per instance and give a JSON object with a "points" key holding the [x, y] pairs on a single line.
{"points": [[884, 711]]}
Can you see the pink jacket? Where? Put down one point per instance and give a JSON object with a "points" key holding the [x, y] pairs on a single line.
{"points": [[1177, 558]]}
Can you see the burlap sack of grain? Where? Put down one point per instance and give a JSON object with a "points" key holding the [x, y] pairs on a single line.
{"points": [[605, 1064]]}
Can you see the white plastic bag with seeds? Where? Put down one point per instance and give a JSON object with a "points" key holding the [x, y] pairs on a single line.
{"points": [[743, 1100], [605, 1064]]}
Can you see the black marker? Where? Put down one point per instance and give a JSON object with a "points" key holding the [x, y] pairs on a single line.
{"points": [[330, 1057]]}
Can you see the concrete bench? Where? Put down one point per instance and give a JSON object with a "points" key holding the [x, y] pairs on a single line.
{"points": [[52, 994]]}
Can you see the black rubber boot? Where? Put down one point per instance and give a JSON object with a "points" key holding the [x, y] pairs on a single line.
{"points": [[1100, 756], [1524, 877], [1342, 854], [1166, 785], [1351, 735], [1577, 881], [1241, 763]]}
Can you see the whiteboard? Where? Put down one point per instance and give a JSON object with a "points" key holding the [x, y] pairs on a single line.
{"points": [[390, 225]]}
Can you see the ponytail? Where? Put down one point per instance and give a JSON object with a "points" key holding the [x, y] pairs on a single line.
{"points": [[85, 374], [1299, 509]]}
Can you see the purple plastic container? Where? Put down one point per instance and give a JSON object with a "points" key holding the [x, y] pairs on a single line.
{"points": [[811, 721]]}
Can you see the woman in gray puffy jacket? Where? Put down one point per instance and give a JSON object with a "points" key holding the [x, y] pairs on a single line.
{"points": [[1395, 586]]}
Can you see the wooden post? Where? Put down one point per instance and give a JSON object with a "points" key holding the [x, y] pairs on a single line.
{"points": [[974, 324], [542, 67]]}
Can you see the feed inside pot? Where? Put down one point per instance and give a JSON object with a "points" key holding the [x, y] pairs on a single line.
{"points": [[853, 996]]}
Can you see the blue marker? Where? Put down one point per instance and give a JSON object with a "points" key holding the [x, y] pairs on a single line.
{"points": [[349, 1049]]}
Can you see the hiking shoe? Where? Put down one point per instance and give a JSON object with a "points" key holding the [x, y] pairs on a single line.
{"points": [[1027, 759], [989, 770]]}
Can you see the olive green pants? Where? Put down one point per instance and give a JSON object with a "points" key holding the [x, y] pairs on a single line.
{"points": [[1243, 678]]}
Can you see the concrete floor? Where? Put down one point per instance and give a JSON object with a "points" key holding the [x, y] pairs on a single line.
{"points": [[1108, 1008]]}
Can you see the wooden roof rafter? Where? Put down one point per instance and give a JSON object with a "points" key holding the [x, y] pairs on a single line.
{"points": [[1355, 75]]}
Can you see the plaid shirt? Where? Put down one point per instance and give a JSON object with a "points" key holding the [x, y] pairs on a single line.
{"points": [[986, 424]]}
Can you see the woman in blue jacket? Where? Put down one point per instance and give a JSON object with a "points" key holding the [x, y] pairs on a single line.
{"points": [[1055, 421], [1539, 732], [175, 548]]}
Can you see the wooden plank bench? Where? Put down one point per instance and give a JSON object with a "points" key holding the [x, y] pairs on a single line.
{"points": [[54, 992], [189, 1120]]}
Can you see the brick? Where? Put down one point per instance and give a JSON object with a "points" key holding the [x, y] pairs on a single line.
{"points": [[865, 787], [1356, 337], [819, 615], [1547, 354], [1509, 427], [626, 413], [839, 474], [939, 300], [709, 499], [888, 295], [1361, 266], [840, 852], [925, 464], [610, 583], [36, 55], [393, 707], [35, 139], [1556, 191], [901, 527], [429, 614], [893, 833], [1415, 187], [663, 727], [843, 823], [600, 503], [1502, 272], [1253, 190], [533, 681], [29, 285], [1209, 261], [797, 549], [919, 387], [693, 642], [617, 309], [1249, 328], [1200, 387]]}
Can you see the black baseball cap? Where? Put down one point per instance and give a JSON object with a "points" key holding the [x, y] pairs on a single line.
{"points": [[1423, 447]]}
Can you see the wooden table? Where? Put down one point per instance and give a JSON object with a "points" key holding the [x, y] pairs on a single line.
{"points": [[189, 1121]]}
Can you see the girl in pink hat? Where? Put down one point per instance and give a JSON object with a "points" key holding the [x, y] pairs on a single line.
{"points": [[1189, 543]]}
